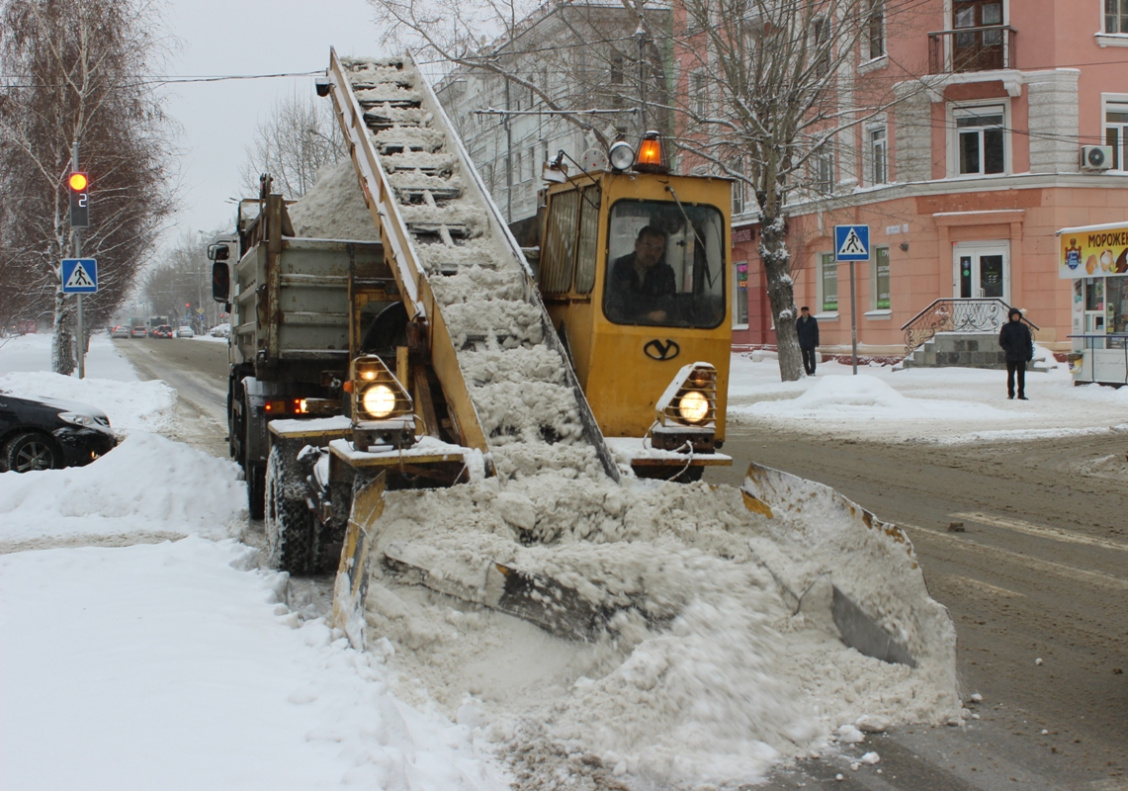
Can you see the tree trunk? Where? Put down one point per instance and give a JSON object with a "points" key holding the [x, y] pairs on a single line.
{"points": [[62, 346], [781, 295]]}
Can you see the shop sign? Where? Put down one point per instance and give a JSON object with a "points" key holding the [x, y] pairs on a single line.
{"points": [[1094, 251]]}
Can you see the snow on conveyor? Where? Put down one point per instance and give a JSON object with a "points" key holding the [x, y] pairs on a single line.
{"points": [[520, 388]]}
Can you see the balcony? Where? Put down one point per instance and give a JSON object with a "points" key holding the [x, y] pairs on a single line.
{"points": [[971, 49]]}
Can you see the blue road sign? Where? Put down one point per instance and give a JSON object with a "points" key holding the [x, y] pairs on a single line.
{"points": [[80, 275], [851, 243]]}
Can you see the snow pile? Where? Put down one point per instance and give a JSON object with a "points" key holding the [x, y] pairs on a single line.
{"points": [[334, 208], [147, 488], [710, 671]]}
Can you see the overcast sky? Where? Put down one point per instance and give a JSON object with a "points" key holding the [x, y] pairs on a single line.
{"points": [[219, 119]]}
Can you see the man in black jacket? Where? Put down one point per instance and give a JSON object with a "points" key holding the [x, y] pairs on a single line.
{"points": [[807, 328], [1016, 341]]}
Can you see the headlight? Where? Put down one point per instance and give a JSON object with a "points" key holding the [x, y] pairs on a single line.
{"points": [[621, 156], [693, 407], [379, 401], [77, 418]]}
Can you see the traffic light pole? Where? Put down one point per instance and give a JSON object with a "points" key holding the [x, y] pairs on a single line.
{"points": [[81, 351]]}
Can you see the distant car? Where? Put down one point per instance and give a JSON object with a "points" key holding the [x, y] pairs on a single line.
{"points": [[47, 433], [185, 332], [119, 332], [137, 332], [220, 331], [163, 331]]}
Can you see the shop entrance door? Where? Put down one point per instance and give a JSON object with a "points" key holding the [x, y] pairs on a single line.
{"points": [[982, 270]]}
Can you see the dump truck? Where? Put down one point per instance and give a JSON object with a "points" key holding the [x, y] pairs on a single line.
{"points": [[446, 418]]}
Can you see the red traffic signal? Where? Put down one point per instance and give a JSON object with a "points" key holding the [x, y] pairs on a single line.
{"points": [[78, 185]]}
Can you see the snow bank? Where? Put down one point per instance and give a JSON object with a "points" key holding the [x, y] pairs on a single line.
{"points": [[173, 666]]}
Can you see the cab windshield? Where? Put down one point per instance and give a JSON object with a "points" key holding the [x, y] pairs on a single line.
{"points": [[665, 265]]}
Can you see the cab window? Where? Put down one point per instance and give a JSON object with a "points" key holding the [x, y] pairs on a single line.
{"points": [[558, 254], [665, 265], [589, 240]]}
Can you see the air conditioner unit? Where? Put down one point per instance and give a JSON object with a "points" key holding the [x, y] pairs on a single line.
{"points": [[1096, 157]]}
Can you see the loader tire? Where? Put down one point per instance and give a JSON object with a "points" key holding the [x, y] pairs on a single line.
{"points": [[291, 534]]}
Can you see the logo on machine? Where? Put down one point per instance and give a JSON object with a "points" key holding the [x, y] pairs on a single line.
{"points": [[661, 350]]}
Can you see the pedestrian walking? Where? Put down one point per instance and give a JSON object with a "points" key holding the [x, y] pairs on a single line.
{"points": [[1018, 345], [807, 328]]}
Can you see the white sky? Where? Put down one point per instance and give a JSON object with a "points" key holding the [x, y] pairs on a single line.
{"points": [[219, 119]]}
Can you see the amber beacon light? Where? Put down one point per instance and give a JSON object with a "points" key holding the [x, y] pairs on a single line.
{"points": [[650, 156]]}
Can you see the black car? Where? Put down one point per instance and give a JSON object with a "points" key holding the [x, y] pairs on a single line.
{"points": [[46, 433]]}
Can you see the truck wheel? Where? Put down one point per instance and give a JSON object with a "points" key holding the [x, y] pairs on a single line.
{"points": [[291, 535]]}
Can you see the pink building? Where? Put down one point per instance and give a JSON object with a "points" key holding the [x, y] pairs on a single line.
{"points": [[1011, 123]]}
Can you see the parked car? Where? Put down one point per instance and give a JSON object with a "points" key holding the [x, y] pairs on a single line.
{"points": [[220, 331], [119, 332], [185, 332], [48, 433], [137, 332]]}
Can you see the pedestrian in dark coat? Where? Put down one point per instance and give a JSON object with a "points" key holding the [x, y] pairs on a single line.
{"points": [[807, 328], [1018, 344]]}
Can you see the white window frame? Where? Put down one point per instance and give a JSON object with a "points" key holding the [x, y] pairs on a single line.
{"points": [[1121, 17], [972, 109], [875, 306], [1118, 129], [822, 171], [876, 10], [739, 296], [822, 262], [877, 154]]}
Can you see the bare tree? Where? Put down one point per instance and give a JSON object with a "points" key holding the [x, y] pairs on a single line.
{"points": [[300, 138], [73, 67], [588, 64], [771, 97]]}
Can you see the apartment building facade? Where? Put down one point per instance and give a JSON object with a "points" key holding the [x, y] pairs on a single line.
{"points": [[1010, 124]]}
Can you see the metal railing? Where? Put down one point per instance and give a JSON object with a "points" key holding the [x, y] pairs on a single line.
{"points": [[985, 315], [971, 49]]}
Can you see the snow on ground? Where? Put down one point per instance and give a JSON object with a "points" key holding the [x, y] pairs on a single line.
{"points": [[931, 405], [143, 646]]}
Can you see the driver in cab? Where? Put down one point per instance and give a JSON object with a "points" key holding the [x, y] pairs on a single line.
{"points": [[641, 282]]}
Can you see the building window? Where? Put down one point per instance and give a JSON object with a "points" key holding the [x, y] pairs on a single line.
{"points": [[821, 45], [740, 294], [879, 156], [876, 29], [822, 172], [1116, 131], [1116, 16], [979, 140], [699, 93], [739, 189], [828, 283], [617, 69], [879, 277]]}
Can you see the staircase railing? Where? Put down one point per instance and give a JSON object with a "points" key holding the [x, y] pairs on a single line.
{"points": [[984, 315]]}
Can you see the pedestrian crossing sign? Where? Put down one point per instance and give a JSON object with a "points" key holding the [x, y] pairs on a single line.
{"points": [[80, 275], [851, 243]]}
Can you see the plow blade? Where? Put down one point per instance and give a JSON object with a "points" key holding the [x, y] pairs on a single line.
{"points": [[781, 495], [351, 584]]}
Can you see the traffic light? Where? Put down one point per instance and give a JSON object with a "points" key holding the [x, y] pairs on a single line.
{"points": [[78, 185]]}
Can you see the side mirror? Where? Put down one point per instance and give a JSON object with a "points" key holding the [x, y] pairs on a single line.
{"points": [[218, 252], [221, 281]]}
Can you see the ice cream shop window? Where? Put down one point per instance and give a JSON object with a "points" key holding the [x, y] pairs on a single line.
{"points": [[1094, 294]]}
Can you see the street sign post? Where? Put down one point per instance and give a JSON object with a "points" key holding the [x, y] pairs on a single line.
{"points": [[851, 244]]}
